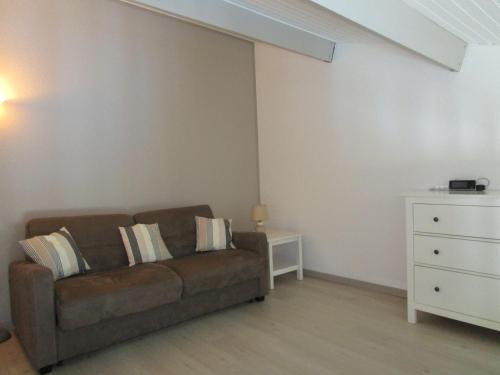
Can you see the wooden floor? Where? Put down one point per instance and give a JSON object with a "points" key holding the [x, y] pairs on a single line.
{"points": [[308, 327]]}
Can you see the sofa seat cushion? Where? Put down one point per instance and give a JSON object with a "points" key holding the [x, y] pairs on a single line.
{"points": [[215, 269], [93, 298]]}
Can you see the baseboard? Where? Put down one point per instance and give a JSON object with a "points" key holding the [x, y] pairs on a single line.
{"points": [[356, 283]]}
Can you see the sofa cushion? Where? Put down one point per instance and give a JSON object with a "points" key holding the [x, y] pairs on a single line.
{"points": [[177, 226], [92, 298], [144, 244], [213, 234], [58, 252], [215, 269], [97, 236]]}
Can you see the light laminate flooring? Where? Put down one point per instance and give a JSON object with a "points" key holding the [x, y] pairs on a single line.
{"points": [[308, 327]]}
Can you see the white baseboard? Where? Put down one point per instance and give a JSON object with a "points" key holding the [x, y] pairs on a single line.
{"points": [[356, 283]]}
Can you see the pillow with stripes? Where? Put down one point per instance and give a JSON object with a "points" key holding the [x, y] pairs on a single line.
{"points": [[213, 234], [57, 251], [144, 244]]}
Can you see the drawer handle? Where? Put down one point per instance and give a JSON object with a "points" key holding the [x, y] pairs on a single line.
{"points": [[436, 219], [436, 251], [436, 289]]}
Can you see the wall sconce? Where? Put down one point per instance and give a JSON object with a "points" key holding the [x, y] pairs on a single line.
{"points": [[5, 91], [3, 98], [5, 95]]}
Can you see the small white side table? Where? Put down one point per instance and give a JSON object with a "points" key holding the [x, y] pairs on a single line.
{"points": [[279, 237]]}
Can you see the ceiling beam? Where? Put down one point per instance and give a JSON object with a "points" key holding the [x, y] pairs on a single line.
{"points": [[400, 23], [244, 23]]}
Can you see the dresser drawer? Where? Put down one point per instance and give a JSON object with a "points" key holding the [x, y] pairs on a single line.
{"points": [[471, 295], [473, 221], [467, 255]]}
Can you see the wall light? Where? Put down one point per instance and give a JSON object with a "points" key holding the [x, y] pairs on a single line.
{"points": [[3, 98], [5, 91], [6, 95]]}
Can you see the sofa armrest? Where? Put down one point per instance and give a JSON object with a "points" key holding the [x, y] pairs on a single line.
{"points": [[33, 312], [256, 242]]}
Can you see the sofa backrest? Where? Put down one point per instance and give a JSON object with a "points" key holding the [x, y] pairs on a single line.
{"points": [[97, 236], [177, 226]]}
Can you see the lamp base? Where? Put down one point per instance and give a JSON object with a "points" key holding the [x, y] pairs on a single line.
{"points": [[4, 334], [259, 227]]}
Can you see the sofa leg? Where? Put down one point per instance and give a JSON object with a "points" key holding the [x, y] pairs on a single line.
{"points": [[251, 300], [260, 298], [45, 370]]}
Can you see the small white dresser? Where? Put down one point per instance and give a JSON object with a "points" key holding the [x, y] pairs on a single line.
{"points": [[453, 256]]}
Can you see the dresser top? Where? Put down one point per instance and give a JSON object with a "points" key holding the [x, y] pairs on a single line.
{"points": [[495, 194]]}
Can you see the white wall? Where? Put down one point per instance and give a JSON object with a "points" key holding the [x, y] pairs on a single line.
{"points": [[118, 109], [339, 142]]}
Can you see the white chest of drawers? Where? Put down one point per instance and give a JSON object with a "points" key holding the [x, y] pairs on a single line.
{"points": [[453, 256]]}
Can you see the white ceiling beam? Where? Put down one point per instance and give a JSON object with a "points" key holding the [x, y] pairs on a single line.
{"points": [[242, 22], [398, 22]]}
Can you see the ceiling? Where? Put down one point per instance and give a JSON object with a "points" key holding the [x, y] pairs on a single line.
{"points": [[313, 18], [312, 27], [474, 21]]}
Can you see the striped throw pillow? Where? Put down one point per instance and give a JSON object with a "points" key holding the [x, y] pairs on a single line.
{"points": [[213, 234], [144, 244], [57, 251]]}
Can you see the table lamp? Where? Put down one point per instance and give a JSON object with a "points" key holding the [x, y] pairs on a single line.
{"points": [[259, 215]]}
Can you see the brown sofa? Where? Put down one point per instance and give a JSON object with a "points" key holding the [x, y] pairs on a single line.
{"points": [[114, 302]]}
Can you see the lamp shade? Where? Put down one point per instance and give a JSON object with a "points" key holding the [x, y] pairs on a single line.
{"points": [[259, 212]]}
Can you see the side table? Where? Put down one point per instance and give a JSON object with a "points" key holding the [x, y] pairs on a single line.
{"points": [[280, 237]]}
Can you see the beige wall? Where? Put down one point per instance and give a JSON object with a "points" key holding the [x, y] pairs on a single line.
{"points": [[114, 108], [340, 142]]}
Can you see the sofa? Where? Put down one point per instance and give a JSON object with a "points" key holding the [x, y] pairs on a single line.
{"points": [[57, 320]]}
